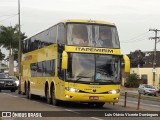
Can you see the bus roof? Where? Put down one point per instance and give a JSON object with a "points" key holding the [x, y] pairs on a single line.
{"points": [[87, 21], [78, 21]]}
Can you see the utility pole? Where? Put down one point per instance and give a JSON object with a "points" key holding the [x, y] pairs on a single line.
{"points": [[154, 57], [19, 51], [19, 26]]}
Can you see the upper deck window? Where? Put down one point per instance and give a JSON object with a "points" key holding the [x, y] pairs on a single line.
{"points": [[61, 34], [92, 35]]}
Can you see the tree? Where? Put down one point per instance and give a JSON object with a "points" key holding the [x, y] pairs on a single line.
{"points": [[132, 80], [9, 39], [2, 56], [137, 58]]}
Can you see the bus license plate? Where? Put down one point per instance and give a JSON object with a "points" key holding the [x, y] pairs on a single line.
{"points": [[93, 97]]}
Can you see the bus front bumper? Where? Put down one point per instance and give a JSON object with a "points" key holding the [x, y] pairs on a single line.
{"points": [[87, 97]]}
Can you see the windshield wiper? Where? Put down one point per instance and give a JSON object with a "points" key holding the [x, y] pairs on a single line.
{"points": [[80, 77], [109, 81]]}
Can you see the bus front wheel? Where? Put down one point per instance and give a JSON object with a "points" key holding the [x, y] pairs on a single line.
{"points": [[100, 104], [97, 104], [54, 101]]}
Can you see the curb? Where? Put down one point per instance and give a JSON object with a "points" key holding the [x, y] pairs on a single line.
{"points": [[144, 97]]}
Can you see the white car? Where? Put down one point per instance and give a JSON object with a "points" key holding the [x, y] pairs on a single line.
{"points": [[147, 89], [15, 78]]}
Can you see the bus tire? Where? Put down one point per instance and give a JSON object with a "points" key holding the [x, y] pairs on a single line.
{"points": [[91, 103], [54, 101], [48, 99], [29, 95], [100, 104], [25, 89]]}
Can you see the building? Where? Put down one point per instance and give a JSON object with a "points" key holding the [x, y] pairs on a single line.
{"points": [[146, 74], [146, 71]]}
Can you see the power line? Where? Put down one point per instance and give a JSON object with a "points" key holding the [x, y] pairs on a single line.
{"points": [[138, 40], [134, 41], [8, 18], [7, 15], [133, 38], [8, 11]]}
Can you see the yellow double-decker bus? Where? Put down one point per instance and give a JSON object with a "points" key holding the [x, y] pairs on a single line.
{"points": [[74, 60]]}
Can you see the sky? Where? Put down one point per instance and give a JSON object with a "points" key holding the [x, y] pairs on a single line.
{"points": [[133, 18]]}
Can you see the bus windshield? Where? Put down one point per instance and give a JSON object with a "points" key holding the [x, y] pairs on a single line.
{"points": [[92, 35], [93, 68]]}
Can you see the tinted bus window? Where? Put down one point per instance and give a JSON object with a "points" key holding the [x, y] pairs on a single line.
{"points": [[61, 34], [39, 69], [43, 67], [33, 67], [49, 65], [24, 48], [53, 34], [92, 35]]}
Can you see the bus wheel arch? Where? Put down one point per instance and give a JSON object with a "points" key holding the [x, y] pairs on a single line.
{"points": [[47, 93], [54, 101]]}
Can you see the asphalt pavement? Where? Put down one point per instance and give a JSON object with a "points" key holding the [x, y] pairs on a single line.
{"points": [[129, 90]]}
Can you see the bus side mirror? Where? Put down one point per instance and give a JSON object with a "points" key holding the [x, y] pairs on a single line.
{"points": [[64, 60], [126, 64]]}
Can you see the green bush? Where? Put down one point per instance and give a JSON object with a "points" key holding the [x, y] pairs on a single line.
{"points": [[132, 80]]}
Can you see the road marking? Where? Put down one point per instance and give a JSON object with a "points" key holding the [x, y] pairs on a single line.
{"points": [[10, 94], [141, 103], [72, 111], [150, 105], [96, 118], [26, 99], [51, 105]]}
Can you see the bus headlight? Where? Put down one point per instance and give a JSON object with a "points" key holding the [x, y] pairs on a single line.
{"points": [[71, 89], [114, 91]]}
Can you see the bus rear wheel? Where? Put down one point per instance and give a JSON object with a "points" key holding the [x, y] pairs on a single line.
{"points": [[48, 99], [54, 101], [29, 95]]}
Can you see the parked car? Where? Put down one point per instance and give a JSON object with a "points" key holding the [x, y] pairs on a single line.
{"points": [[157, 92], [148, 90], [7, 83], [16, 79]]}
